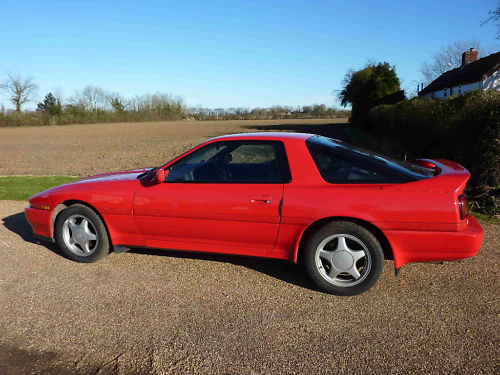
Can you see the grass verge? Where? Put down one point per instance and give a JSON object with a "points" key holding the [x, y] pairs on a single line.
{"points": [[20, 188], [486, 218]]}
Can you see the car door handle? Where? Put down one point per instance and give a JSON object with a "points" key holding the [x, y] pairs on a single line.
{"points": [[260, 200]]}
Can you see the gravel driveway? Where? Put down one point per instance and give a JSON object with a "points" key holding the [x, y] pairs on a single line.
{"points": [[154, 312]]}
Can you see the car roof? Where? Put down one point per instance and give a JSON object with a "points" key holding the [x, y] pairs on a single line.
{"points": [[264, 136]]}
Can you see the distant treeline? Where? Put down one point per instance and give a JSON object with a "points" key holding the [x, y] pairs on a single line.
{"points": [[94, 105], [274, 112]]}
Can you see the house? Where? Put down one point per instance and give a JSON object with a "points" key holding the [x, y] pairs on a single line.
{"points": [[474, 74]]}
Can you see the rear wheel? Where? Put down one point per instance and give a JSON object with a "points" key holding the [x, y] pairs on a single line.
{"points": [[81, 234], [343, 258]]}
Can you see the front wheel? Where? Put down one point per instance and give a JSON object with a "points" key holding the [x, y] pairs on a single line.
{"points": [[81, 234], [343, 258]]}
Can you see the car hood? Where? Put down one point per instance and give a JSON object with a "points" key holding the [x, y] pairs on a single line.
{"points": [[107, 183], [112, 176]]}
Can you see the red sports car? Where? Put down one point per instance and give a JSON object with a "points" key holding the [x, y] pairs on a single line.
{"points": [[276, 195]]}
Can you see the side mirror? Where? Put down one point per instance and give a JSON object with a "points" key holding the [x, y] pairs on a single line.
{"points": [[160, 176]]}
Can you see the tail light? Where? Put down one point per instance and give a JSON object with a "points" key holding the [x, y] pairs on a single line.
{"points": [[462, 206]]}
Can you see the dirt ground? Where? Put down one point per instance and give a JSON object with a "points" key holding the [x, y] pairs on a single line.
{"points": [[80, 150], [165, 312], [161, 312]]}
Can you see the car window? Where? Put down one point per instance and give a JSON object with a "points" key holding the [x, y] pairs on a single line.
{"points": [[338, 170], [370, 158], [233, 162], [338, 164], [253, 153], [204, 154]]}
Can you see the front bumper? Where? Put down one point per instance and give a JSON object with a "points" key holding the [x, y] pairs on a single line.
{"points": [[40, 221], [427, 246]]}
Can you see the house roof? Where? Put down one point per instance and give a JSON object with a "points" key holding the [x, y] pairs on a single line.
{"points": [[469, 73]]}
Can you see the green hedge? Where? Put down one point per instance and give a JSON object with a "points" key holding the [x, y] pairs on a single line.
{"points": [[463, 128]]}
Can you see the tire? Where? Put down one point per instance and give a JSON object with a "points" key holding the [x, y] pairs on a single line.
{"points": [[343, 258], [81, 234]]}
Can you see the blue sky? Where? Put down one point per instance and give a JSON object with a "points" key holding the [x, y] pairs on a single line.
{"points": [[228, 53]]}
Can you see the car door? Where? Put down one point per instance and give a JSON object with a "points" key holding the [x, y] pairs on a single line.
{"points": [[225, 197]]}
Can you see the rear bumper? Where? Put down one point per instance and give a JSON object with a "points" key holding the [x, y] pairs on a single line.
{"points": [[40, 221], [425, 246]]}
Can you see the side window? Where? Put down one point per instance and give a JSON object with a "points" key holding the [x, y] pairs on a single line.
{"points": [[336, 168], [199, 165], [233, 162], [253, 154]]}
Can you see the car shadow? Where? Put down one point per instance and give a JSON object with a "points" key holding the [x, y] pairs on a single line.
{"points": [[279, 269], [331, 130], [16, 360], [17, 224], [283, 270]]}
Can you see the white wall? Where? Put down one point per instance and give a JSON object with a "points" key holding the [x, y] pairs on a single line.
{"points": [[460, 89], [492, 82]]}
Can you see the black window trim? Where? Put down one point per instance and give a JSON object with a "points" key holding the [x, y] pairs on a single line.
{"points": [[283, 163]]}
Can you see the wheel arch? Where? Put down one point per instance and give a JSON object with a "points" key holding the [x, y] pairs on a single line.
{"points": [[377, 232], [68, 203]]}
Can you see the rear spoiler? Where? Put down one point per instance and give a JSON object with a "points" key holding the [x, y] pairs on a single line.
{"points": [[427, 163], [448, 176]]}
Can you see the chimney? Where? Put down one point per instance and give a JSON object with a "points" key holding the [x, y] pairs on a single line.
{"points": [[469, 56]]}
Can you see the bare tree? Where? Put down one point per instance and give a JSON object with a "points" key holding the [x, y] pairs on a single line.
{"points": [[494, 16], [447, 58], [91, 98], [18, 89], [57, 92]]}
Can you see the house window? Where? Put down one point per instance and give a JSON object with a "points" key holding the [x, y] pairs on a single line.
{"points": [[445, 93], [460, 89]]}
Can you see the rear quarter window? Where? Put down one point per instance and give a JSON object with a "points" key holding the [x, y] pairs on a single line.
{"points": [[340, 163]]}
